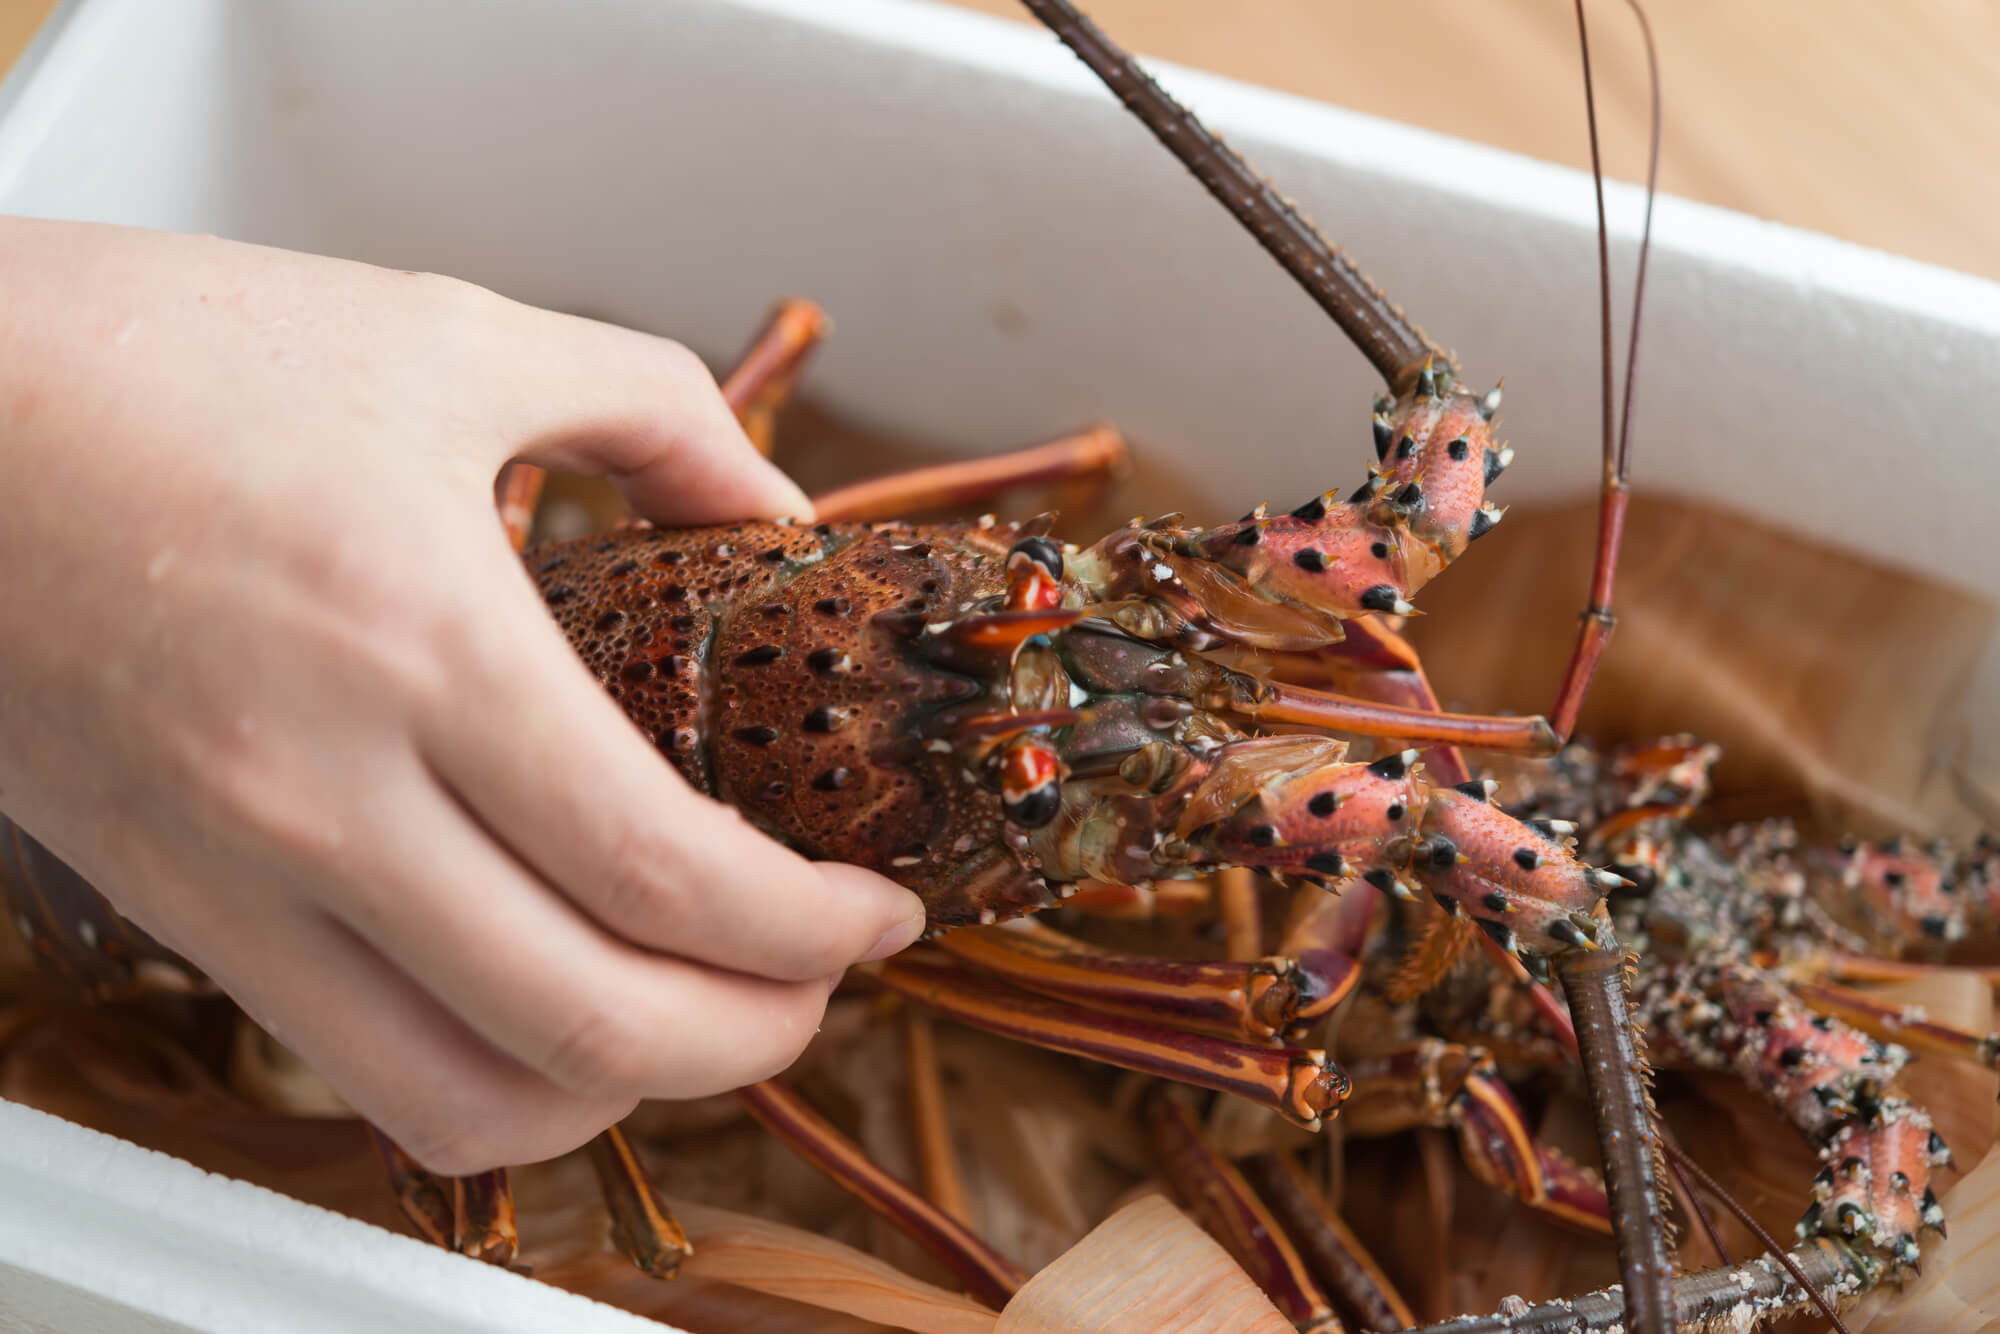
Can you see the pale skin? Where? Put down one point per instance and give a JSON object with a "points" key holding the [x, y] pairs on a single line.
{"points": [[272, 679]]}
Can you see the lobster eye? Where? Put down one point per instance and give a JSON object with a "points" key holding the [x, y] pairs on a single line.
{"points": [[1030, 782], [1034, 808], [1042, 552]]}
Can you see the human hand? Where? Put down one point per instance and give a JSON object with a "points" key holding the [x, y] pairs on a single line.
{"points": [[272, 679]]}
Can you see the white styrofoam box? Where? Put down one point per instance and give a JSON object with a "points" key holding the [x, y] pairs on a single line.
{"points": [[1008, 254], [98, 1236]]}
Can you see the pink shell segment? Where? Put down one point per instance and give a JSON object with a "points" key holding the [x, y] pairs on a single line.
{"points": [[1518, 880]]}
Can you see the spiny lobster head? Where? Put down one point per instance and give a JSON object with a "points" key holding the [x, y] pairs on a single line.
{"points": [[1423, 503]]}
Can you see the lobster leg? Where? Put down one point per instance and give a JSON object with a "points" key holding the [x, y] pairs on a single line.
{"points": [[1375, 663], [645, 1230], [1260, 1000], [1861, 968], [424, 1199], [944, 1185], [471, 1215], [987, 1275], [1442, 1084], [1218, 1197], [516, 493], [1094, 453], [1331, 1251], [757, 389], [1299, 1083], [1280, 702], [1236, 902]]}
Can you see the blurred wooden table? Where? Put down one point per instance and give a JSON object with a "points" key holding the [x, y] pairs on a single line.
{"points": [[1879, 123]]}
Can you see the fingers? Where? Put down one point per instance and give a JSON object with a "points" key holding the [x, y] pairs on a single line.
{"points": [[451, 1100], [547, 761], [645, 411], [541, 981]]}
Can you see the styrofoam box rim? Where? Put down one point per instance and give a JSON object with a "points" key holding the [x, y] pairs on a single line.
{"points": [[1485, 177], [95, 1230]]}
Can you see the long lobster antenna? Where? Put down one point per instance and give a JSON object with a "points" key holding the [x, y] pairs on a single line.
{"points": [[1598, 622], [1679, 1157], [1621, 465], [1594, 983], [1385, 335], [1615, 1068]]}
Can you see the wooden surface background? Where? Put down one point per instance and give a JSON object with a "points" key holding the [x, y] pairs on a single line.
{"points": [[1877, 122]]}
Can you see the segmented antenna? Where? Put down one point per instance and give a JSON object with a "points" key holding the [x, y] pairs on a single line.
{"points": [[1792, 1267], [1621, 465], [1594, 985], [1392, 344], [1598, 622]]}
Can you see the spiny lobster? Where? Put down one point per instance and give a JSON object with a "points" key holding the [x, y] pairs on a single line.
{"points": [[995, 719], [1743, 942]]}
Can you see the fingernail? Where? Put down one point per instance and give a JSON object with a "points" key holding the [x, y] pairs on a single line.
{"points": [[787, 499], [897, 938]]}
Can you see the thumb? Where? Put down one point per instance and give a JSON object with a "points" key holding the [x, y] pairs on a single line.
{"points": [[645, 412]]}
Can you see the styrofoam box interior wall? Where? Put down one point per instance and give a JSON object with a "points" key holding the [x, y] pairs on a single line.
{"points": [[1006, 253]]}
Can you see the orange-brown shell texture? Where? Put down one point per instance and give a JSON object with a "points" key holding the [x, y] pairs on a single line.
{"points": [[787, 671]]}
